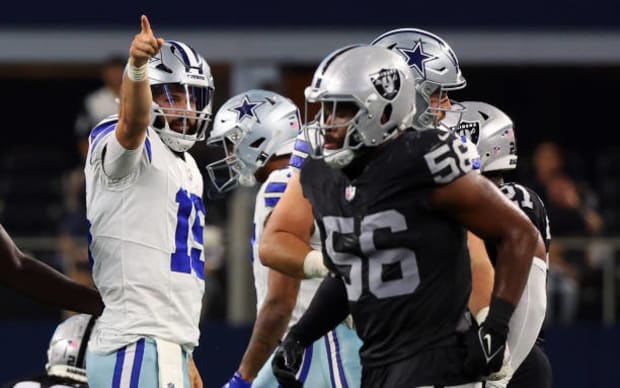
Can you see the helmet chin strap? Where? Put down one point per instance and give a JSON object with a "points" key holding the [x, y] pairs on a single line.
{"points": [[339, 158]]}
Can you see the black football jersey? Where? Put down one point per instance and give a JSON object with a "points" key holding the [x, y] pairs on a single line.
{"points": [[405, 265], [531, 204]]}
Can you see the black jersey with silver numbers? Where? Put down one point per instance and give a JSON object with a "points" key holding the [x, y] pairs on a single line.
{"points": [[531, 204], [405, 265]]}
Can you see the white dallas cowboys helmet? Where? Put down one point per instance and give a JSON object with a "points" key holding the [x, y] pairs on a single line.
{"points": [[378, 82], [66, 354], [492, 131], [251, 127], [178, 66], [435, 64]]}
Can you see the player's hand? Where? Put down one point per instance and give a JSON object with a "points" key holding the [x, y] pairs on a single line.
{"points": [[486, 349], [503, 383], [237, 382], [287, 361], [144, 45], [194, 375]]}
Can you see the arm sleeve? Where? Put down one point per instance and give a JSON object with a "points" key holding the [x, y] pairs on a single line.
{"points": [[118, 162], [328, 308]]}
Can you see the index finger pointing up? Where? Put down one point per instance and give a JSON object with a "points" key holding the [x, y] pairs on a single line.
{"points": [[146, 26]]}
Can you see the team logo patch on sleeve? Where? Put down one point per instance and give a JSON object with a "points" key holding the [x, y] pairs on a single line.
{"points": [[386, 82]]}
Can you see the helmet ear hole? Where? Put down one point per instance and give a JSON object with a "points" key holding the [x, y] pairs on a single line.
{"points": [[256, 143], [387, 114]]}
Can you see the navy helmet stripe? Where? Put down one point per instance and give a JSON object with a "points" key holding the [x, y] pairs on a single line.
{"points": [[183, 52]]}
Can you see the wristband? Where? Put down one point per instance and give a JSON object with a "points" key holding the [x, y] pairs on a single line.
{"points": [[313, 265], [500, 312], [136, 73]]}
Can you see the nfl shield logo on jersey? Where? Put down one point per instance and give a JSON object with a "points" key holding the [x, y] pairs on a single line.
{"points": [[349, 193]]}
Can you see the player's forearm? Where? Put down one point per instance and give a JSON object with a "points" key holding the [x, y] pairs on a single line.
{"points": [[328, 308], [284, 252], [9, 259], [271, 323], [482, 283], [45, 284], [482, 274], [514, 259], [135, 111]]}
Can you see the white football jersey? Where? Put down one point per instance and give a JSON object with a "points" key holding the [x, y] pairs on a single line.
{"points": [[266, 199], [146, 243]]}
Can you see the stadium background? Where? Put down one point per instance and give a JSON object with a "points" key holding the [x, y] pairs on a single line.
{"points": [[554, 67]]}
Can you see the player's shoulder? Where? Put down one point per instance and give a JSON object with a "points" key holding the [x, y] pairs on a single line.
{"points": [[274, 186], [102, 128], [280, 175], [301, 151], [427, 139], [276, 182], [520, 191], [434, 155]]}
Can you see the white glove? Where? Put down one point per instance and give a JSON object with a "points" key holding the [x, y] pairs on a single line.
{"points": [[313, 265], [503, 383]]}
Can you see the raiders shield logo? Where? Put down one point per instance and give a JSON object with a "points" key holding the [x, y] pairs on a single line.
{"points": [[386, 82], [349, 193], [470, 129]]}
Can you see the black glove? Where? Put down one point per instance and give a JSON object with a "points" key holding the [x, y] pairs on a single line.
{"points": [[287, 361], [486, 343]]}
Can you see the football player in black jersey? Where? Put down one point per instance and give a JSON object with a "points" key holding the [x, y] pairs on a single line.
{"points": [[392, 206], [42, 282], [493, 133]]}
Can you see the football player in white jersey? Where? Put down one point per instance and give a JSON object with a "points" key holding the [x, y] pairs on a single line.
{"points": [[257, 131], [66, 355], [144, 205]]}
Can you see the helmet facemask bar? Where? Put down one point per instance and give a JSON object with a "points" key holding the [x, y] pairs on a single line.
{"points": [[185, 112], [435, 109], [225, 173], [316, 131]]}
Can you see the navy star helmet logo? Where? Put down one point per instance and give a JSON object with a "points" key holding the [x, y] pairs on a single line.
{"points": [[386, 82], [470, 129], [416, 57], [247, 109]]}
